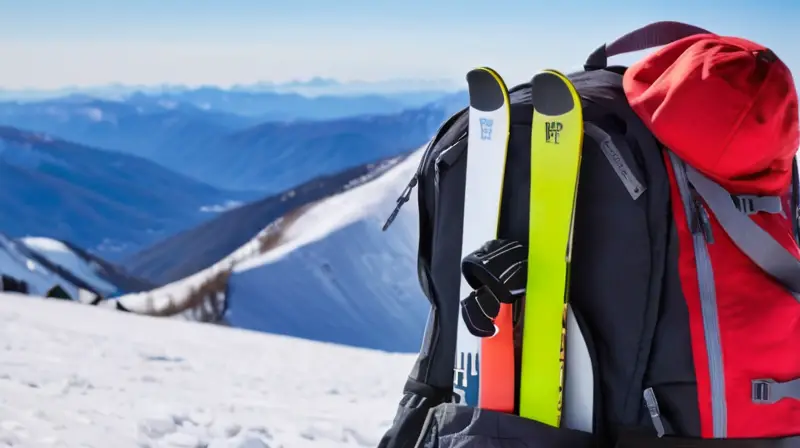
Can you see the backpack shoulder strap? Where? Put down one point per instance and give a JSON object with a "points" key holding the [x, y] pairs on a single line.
{"points": [[748, 236]]}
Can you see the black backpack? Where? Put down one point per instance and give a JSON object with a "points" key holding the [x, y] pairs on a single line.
{"points": [[625, 286]]}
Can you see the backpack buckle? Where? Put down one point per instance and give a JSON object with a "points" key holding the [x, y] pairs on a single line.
{"points": [[769, 391], [752, 204], [761, 391]]}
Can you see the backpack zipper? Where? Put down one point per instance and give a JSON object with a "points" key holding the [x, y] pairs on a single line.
{"points": [[699, 224], [404, 197], [703, 221], [406, 194]]}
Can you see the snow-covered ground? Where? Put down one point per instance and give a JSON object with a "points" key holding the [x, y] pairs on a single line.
{"points": [[80, 376]]}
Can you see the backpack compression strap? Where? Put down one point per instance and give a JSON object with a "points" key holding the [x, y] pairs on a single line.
{"points": [[751, 204], [497, 273]]}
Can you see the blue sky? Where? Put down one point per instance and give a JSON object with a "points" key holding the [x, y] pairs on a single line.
{"points": [[53, 43]]}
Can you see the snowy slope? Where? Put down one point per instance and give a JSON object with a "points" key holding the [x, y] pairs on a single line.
{"points": [[76, 375], [195, 249], [43, 263], [58, 253], [335, 276], [328, 272], [17, 263]]}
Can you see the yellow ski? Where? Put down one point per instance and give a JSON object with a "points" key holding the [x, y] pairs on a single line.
{"points": [[556, 142]]}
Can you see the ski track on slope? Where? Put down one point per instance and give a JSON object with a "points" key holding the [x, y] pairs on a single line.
{"points": [[78, 376]]}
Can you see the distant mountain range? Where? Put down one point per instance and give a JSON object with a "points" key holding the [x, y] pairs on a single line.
{"points": [[235, 151], [109, 202], [287, 106], [315, 86], [117, 176], [256, 208]]}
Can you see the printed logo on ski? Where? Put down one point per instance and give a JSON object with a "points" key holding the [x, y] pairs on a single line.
{"points": [[465, 379], [553, 131], [486, 128]]}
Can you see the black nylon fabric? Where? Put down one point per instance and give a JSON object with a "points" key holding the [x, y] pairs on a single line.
{"points": [[454, 426]]}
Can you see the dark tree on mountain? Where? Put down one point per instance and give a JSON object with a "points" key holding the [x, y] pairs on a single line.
{"points": [[57, 292], [12, 284]]}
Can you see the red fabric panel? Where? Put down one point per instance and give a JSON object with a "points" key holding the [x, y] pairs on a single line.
{"points": [[759, 325]]}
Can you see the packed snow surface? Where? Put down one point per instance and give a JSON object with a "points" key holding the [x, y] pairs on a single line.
{"points": [[78, 376]]}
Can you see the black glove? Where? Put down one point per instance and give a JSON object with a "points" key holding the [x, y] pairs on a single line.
{"points": [[497, 273]]}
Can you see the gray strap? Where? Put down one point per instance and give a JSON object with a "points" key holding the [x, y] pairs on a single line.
{"points": [[655, 413], [750, 204], [768, 391], [751, 239], [649, 36], [615, 158]]}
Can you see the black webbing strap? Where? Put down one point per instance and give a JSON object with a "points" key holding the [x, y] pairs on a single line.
{"points": [[497, 273]]}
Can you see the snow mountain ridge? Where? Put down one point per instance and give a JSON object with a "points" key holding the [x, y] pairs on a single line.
{"points": [[46, 267], [230, 151], [190, 251], [19, 264], [325, 272]]}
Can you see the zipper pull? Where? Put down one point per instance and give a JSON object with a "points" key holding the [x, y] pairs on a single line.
{"points": [[705, 222], [797, 224], [655, 413], [404, 197], [701, 223]]}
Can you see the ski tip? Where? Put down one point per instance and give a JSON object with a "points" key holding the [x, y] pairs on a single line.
{"points": [[551, 93], [487, 90], [481, 69]]}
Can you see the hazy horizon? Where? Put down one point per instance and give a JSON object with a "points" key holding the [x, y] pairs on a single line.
{"points": [[299, 81], [87, 43]]}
